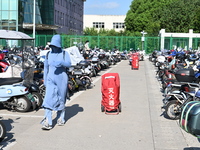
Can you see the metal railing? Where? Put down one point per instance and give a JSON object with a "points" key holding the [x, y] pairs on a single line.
{"points": [[118, 42]]}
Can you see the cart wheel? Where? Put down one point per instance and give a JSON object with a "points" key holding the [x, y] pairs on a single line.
{"points": [[102, 108], [120, 107]]}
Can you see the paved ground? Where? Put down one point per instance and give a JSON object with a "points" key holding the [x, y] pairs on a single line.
{"points": [[140, 125]]}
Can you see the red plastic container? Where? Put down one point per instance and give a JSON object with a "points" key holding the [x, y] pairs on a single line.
{"points": [[110, 88], [135, 62]]}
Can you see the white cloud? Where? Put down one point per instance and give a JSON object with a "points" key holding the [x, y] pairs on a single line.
{"points": [[109, 5]]}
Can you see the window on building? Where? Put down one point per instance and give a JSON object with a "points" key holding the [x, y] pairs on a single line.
{"points": [[8, 14], [98, 25], [13, 5], [5, 5], [118, 25]]}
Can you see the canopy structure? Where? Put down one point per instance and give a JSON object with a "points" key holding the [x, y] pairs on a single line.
{"points": [[40, 26], [14, 35], [26, 52]]}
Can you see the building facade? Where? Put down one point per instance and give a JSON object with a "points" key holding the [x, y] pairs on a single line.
{"points": [[109, 22], [51, 16]]}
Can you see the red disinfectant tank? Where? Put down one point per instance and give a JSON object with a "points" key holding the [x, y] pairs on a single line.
{"points": [[110, 88], [135, 61]]}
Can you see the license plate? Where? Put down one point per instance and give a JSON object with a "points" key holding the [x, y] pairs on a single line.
{"points": [[30, 96]]}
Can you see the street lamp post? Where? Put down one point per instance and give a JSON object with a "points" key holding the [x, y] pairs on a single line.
{"points": [[143, 39], [34, 21]]}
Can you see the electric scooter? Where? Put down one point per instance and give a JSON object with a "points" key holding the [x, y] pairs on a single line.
{"points": [[15, 70], [15, 93], [15, 96]]}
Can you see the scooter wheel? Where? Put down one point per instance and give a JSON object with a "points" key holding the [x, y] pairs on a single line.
{"points": [[94, 73], [38, 99], [23, 104], [120, 107], [2, 131], [172, 110], [42, 90], [102, 108]]}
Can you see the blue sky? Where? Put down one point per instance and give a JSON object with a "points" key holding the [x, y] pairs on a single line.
{"points": [[106, 7]]}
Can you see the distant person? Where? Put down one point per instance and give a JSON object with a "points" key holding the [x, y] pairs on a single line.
{"points": [[55, 81], [86, 51], [86, 46], [47, 46]]}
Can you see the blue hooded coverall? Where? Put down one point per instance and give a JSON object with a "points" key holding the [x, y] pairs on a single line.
{"points": [[55, 80]]}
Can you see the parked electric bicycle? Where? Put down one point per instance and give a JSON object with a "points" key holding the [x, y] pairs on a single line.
{"points": [[174, 102]]}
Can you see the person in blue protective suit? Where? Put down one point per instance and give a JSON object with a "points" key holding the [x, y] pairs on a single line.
{"points": [[172, 58], [55, 81]]}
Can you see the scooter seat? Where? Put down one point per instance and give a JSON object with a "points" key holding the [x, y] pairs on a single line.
{"points": [[9, 81]]}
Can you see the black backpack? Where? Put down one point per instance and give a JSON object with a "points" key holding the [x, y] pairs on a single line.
{"points": [[48, 55]]}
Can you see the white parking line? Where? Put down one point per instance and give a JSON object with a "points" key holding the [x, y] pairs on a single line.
{"points": [[19, 115]]}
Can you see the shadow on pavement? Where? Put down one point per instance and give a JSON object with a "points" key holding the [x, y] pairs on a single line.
{"points": [[9, 135], [71, 111], [192, 148]]}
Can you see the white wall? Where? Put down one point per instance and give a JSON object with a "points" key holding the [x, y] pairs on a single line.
{"points": [[107, 19]]}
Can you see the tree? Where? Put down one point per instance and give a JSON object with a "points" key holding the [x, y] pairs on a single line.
{"points": [[90, 31], [180, 18], [153, 15], [197, 21]]}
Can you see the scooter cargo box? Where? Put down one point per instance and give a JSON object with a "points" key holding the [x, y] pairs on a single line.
{"points": [[161, 59], [185, 75], [190, 118]]}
